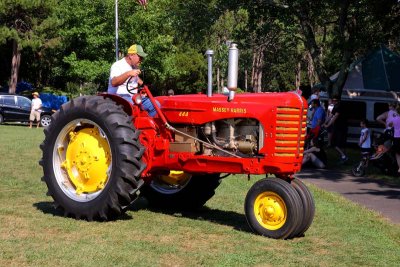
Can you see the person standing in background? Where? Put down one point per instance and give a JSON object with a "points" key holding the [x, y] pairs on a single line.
{"points": [[386, 117], [396, 135], [35, 110], [328, 118], [318, 117], [339, 124], [365, 137]]}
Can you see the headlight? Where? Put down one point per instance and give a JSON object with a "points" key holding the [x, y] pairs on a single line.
{"points": [[138, 99]]}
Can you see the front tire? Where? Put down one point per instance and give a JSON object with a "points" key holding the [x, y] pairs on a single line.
{"points": [[273, 208], [358, 170], [92, 159], [308, 206], [187, 192]]}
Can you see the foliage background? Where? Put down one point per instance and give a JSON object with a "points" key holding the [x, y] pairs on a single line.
{"points": [[68, 45]]}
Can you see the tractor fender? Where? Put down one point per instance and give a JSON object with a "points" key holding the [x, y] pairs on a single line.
{"points": [[141, 122], [127, 106]]}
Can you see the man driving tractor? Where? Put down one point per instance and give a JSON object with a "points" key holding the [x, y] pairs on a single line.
{"points": [[124, 75]]}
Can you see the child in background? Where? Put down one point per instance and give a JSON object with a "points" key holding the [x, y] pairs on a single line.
{"points": [[365, 138]]}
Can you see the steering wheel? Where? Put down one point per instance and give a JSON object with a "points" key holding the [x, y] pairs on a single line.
{"points": [[131, 89], [131, 86]]}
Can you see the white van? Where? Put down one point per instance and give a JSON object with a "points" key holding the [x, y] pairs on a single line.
{"points": [[363, 104]]}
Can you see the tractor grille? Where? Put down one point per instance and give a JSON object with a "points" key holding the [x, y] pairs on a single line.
{"points": [[290, 131]]}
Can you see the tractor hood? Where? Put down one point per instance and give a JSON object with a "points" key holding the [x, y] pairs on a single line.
{"points": [[199, 109]]}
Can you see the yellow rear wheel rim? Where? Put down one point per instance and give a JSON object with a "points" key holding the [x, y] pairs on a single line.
{"points": [[172, 183], [87, 160], [175, 177], [270, 210]]}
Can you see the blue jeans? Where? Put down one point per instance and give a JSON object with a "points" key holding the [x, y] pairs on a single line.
{"points": [[146, 104]]}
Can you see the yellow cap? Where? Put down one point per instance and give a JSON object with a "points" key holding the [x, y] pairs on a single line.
{"points": [[137, 49]]}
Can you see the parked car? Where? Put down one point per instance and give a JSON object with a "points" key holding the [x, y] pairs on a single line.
{"points": [[360, 104], [16, 108]]}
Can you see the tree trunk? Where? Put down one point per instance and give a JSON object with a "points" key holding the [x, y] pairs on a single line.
{"points": [[16, 60], [258, 65], [245, 80], [310, 70], [337, 87], [346, 36], [312, 47], [39, 77], [298, 75], [218, 88]]}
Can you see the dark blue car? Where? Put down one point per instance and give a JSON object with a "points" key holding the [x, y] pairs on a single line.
{"points": [[16, 108]]}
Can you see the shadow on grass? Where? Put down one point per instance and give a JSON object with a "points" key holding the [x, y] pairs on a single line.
{"points": [[228, 218], [49, 209]]}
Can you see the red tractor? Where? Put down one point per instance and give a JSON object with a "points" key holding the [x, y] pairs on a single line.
{"points": [[101, 152]]}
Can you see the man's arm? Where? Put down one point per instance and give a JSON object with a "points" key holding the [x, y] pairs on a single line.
{"points": [[332, 120], [382, 118], [118, 80], [39, 104]]}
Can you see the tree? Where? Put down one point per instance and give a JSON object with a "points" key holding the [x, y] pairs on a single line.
{"points": [[25, 23], [87, 50], [225, 30], [336, 31]]}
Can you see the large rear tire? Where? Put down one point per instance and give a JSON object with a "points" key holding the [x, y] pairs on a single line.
{"points": [[92, 159], [308, 207], [187, 192], [273, 208]]}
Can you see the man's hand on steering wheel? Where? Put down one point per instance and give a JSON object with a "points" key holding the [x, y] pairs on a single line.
{"points": [[135, 72], [134, 89]]}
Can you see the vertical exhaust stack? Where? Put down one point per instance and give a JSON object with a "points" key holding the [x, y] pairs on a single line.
{"points": [[209, 54], [233, 66]]}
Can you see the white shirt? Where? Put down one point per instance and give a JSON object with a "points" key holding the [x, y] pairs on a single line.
{"points": [[118, 68], [367, 142], [36, 104]]}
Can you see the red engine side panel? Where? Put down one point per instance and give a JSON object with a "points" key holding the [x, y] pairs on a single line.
{"points": [[281, 115], [199, 109]]}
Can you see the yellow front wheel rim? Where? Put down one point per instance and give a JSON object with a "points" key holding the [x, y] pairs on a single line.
{"points": [[270, 210]]}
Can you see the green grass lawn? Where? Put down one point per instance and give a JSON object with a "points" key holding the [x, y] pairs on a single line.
{"points": [[32, 233]]}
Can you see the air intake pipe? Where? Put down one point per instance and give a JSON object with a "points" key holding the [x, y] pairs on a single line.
{"points": [[209, 54], [233, 66]]}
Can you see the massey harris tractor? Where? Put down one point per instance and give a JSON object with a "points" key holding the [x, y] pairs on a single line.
{"points": [[101, 152]]}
